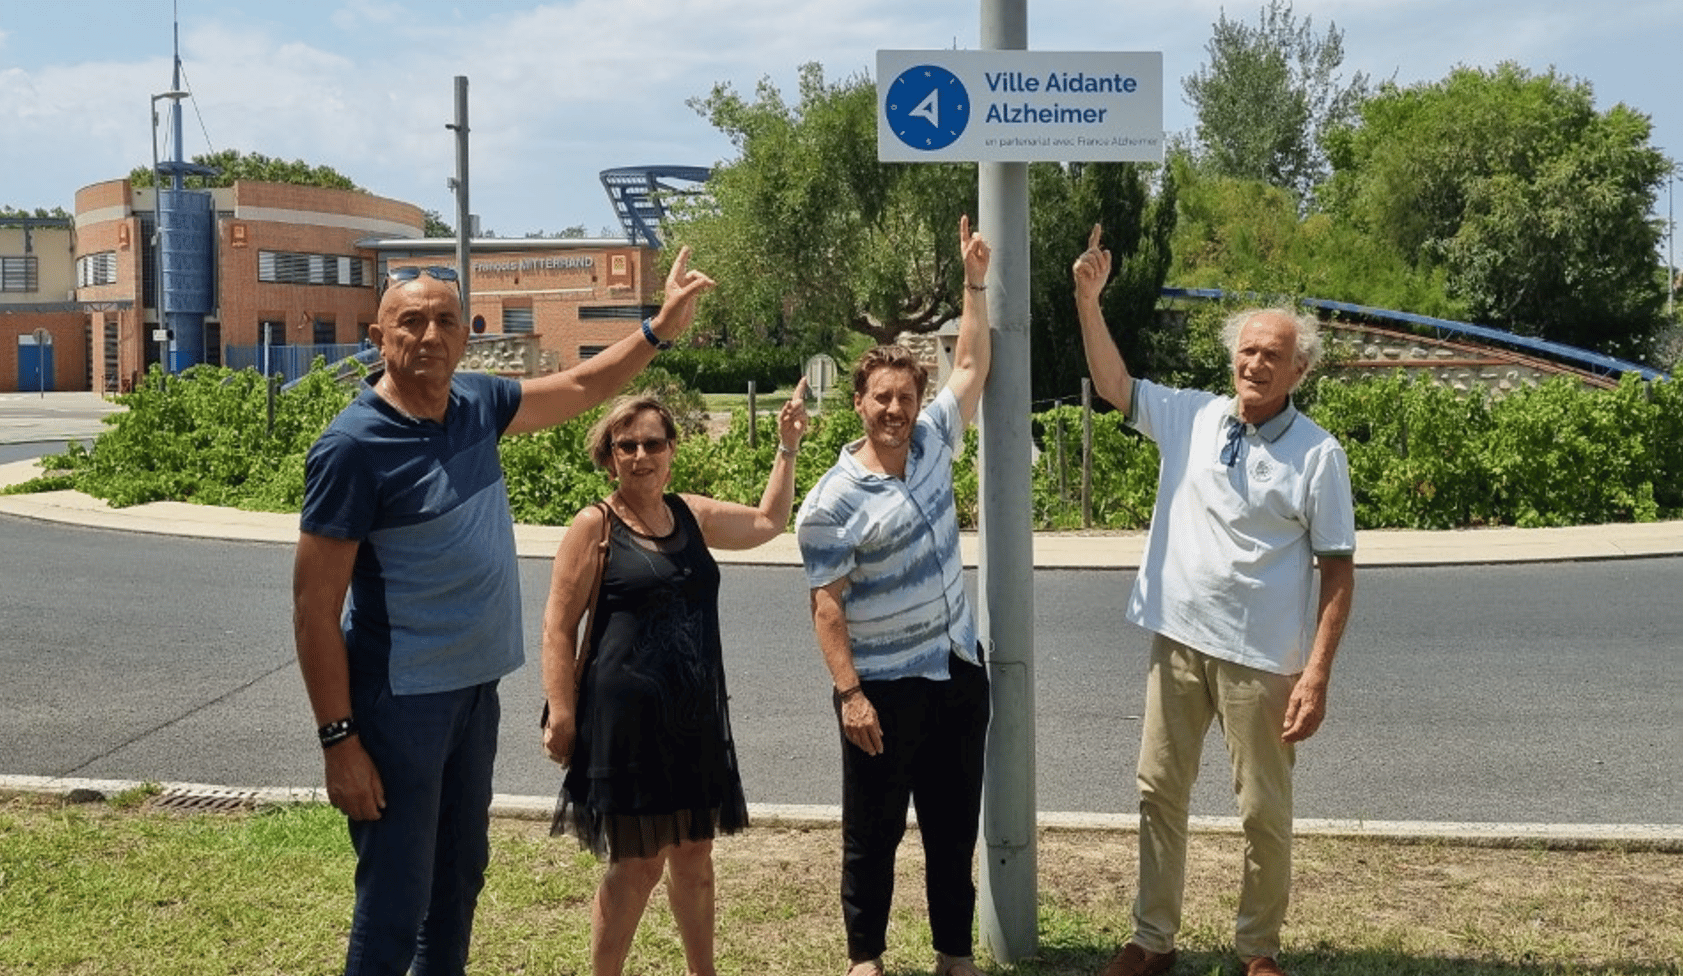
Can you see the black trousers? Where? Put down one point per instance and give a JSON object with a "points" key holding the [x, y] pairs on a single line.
{"points": [[934, 740]]}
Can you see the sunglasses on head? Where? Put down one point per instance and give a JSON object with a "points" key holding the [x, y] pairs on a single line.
{"points": [[432, 271], [651, 445]]}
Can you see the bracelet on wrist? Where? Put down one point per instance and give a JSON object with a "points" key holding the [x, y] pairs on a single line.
{"points": [[852, 692], [334, 733], [654, 340], [786, 450], [981, 288]]}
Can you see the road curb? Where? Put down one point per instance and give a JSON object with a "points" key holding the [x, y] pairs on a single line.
{"points": [[1666, 838]]}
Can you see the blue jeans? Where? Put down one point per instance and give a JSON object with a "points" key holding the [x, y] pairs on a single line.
{"points": [[420, 867], [934, 736]]}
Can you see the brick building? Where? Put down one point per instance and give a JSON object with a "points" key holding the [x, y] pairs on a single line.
{"points": [[296, 268], [578, 296]]}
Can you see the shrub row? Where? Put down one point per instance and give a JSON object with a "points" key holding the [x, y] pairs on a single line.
{"points": [[1420, 456], [730, 370]]}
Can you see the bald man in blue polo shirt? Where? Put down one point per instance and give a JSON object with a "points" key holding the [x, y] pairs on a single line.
{"points": [[405, 509], [1253, 499]]}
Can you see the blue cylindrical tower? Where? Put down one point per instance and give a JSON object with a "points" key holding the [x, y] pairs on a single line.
{"points": [[187, 219]]}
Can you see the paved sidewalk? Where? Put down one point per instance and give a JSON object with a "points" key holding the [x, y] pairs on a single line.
{"points": [[30, 418], [1121, 550]]}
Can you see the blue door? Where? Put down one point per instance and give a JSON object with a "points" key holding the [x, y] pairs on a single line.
{"points": [[35, 365]]}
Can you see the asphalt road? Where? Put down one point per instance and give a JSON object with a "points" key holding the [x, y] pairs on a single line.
{"points": [[1510, 694]]}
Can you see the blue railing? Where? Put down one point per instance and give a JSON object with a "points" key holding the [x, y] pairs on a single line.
{"points": [[1585, 359], [291, 362]]}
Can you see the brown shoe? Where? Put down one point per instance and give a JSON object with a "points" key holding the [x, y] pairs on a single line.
{"points": [[1263, 966], [1135, 961]]}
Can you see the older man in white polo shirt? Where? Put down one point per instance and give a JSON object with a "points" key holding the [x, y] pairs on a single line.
{"points": [[1252, 498]]}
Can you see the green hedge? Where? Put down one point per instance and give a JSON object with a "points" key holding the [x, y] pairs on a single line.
{"points": [[1420, 456], [730, 370]]}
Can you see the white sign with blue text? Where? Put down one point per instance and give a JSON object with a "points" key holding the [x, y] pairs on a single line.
{"points": [[1019, 106]]}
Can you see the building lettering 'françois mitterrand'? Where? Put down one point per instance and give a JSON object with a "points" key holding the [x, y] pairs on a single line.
{"points": [[296, 268]]}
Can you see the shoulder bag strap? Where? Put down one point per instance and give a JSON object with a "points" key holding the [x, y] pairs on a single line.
{"points": [[582, 654]]}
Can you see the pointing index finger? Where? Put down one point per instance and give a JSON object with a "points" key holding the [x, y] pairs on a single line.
{"points": [[1093, 238], [680, 264]]}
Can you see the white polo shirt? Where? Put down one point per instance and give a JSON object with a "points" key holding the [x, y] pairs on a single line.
{"points": [[1229, 560]]}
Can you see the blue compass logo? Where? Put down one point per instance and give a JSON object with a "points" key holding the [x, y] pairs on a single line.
{"points": [[927, 107]]}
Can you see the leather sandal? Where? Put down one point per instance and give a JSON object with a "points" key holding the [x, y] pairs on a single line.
{"points": [[866, 967]]}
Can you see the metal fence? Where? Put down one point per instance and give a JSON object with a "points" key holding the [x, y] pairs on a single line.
{"points": [[291, 362]]}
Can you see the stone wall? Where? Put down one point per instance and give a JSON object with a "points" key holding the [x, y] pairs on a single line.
{"points": [[1461, 367], [513, 354]]}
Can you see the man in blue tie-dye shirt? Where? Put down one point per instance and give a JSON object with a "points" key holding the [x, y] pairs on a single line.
{"points": [[879, 537]]}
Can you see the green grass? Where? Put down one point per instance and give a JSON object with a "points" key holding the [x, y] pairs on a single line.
{"points": [[723, 403], [109, 889]]}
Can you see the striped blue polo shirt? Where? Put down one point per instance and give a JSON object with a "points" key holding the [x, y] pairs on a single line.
{"points": [[896, 541]]}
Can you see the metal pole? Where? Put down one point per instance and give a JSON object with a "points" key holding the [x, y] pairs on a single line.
{"points": [[753, 418], [157, 247], [1006, 581], [463, 230], [1670, 245], [1063, 469], [42, 338], [1086, 452]]}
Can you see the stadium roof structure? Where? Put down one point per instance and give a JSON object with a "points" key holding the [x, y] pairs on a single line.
{"points": [[637, 191], [1585, 359]]}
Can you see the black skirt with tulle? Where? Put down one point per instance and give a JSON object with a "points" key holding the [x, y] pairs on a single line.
{"points": [[654, 763]]}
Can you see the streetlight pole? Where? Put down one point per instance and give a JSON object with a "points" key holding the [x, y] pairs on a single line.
{"points": [[1670, 246], [161, 333]]}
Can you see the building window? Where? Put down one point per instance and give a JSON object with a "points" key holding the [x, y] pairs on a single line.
{"points": [[19, 274], [96, 269], [588, 352], [637, 312], [274, 330], [325, 332], [286, 268], [110, 358], [517, 320]]}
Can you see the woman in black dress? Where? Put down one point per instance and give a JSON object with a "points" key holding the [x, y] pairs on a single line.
{"points": [[643, 728]]}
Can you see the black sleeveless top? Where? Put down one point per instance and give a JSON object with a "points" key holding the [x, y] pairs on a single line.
{"points": [[654, 762]]}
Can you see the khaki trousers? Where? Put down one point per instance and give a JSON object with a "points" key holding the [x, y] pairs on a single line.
{"points": [[1185, 690]]}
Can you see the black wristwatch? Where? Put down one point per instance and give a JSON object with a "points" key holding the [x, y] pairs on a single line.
{"points": [[334, 733]]}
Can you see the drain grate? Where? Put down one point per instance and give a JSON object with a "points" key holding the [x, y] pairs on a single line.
{"points": [[204, 801]]}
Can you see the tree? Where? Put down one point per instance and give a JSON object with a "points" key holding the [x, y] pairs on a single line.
{"points": [[1533, 205], [232, 165], [808, 234], [1267, 96], [39, 213], [1246, 236], [1067, 201], [434, 225]]}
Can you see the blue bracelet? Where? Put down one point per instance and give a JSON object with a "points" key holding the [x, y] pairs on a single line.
{"points": [[654, 340]]}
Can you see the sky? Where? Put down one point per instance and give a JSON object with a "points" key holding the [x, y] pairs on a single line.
{"points": [[559, 91]]}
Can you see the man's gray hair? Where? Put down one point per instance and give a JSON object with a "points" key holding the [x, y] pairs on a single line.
{"points": [[1308, 332]]}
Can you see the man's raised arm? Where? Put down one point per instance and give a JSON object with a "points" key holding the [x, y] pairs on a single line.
{"points": [[1104, 360], [559, 397]]}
